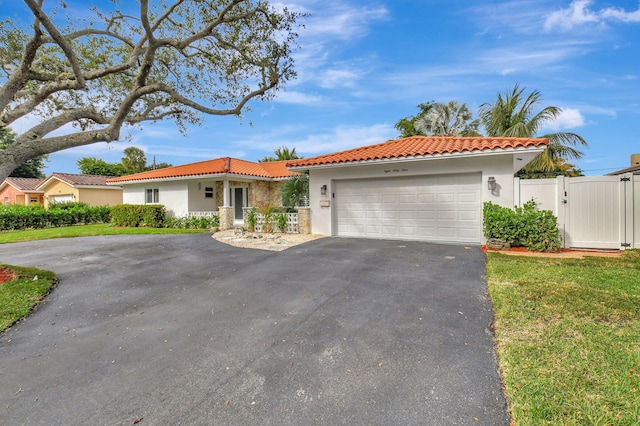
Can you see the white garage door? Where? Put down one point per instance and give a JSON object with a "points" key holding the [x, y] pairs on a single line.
{"points": [[446, 208], [61, 199]]}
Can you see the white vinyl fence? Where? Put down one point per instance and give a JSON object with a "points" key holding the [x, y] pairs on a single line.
{"points": [[594, 212]]}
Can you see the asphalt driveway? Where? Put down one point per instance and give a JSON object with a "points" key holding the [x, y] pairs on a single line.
{"points": [[181, 329]]}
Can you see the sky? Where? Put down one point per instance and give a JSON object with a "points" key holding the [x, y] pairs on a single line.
{"points": [[364, 65]]}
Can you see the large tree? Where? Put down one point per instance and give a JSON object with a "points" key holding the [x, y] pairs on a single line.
{"points": [[174, 60], [516, 114], [29, 169], [407, 126], [439, 119], [97, 166], [450, 119], [134, 160]]}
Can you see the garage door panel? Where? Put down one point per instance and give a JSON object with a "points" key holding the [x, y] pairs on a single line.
{"points": [[426, 198], [407, 214], [446, 198], [446, 215], [468, 197], [432, 208]]}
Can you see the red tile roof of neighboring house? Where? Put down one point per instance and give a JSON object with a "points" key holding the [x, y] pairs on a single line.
{"points": [[420, 146], [24, 184], [226, 165]]}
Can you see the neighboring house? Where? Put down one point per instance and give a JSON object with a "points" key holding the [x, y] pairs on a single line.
{"points": [[90, 189], [15, 190], [634, 168], [417, 188], [225, 185]]}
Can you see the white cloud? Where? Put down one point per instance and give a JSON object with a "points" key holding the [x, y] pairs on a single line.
{"points": [[340, 20], [310, 144], [333, 78], [343, 137], [569, 118], [580, 12], [298, 98]]}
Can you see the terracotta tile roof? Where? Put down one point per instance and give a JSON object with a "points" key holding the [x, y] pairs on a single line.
{"points": [[24, 184], [420, 146], [218, 166], [76, 179]]}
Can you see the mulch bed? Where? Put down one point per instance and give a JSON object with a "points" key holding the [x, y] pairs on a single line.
{"points": [[566, 253], [6, 275]]}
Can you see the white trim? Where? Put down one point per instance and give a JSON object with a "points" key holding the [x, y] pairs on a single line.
{"points": [[221, 176], [93, 186]]}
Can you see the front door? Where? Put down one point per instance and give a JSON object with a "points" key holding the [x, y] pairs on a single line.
{"points": [[239, 202]]}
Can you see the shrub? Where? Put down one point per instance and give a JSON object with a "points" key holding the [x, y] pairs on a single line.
{"points": [[69, 205], [525, 226], [267, 221], [34, 217], [281, 221], [193, 222], [252, 219], [134, 215]]}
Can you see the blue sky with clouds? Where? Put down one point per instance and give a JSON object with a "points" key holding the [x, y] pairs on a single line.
{"points": [[363, 65]]}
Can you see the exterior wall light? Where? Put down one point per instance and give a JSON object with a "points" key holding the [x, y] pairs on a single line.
{"points": [[323, 190], [491, 183]]}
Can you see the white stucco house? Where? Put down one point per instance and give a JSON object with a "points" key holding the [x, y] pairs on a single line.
{"points": [[417, 188], [222, 185]]}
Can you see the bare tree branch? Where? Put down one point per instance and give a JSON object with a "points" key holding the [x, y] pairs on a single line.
{"points": [[53, 32]]}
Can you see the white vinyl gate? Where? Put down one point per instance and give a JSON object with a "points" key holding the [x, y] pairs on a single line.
{"points": [[594, 212]]}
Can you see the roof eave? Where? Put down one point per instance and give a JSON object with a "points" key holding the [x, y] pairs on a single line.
{"points": [[217, 176], [430, 157]]}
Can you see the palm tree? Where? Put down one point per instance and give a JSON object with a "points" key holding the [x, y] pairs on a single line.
{"points": [[295, 191], [282, 153], [450, 119], [513, 115]]}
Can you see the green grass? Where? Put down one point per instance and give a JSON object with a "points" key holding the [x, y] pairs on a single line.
{"points": [[85, 231], [568, 338], [18, 297]]}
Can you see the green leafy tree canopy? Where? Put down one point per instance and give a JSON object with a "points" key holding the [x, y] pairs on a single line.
{"points": [[134, 160], [96, 166], [172, 60]]}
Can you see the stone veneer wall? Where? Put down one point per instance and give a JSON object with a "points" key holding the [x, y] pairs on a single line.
{"points": [[226, 215], [263, 194], [304, 220]]}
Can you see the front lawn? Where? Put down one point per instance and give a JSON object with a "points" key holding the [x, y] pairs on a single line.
{"points": [[19, 296], [85, 231], [568, 337]]}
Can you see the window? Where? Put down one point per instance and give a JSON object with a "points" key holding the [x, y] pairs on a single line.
{"points": [[6, 200], [33, 200], [153, 196], [208, 193]]}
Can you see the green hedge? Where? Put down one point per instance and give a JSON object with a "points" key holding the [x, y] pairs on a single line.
{"points": [[525, 226], [193, 222], [134, 215], [16, 217]]}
